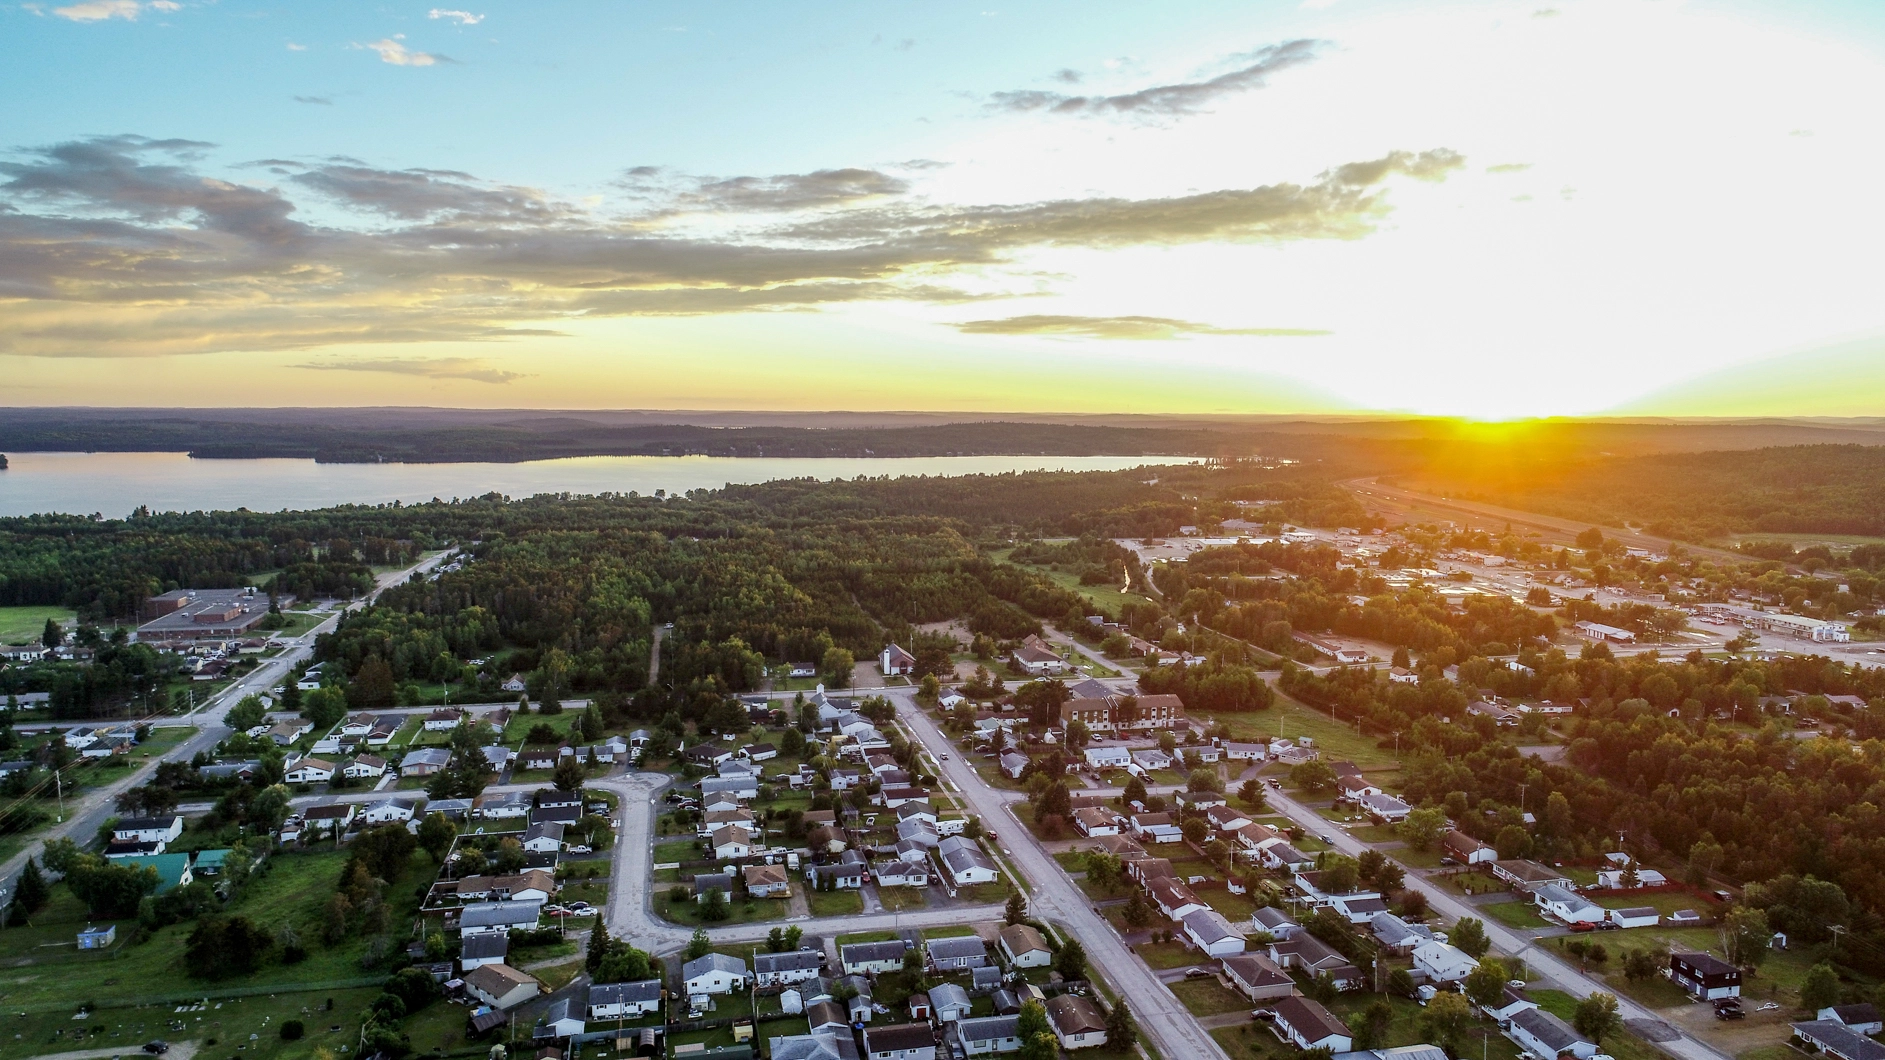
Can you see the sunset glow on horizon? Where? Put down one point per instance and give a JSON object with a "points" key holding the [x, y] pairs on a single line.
{"points": [[1495, 211]]}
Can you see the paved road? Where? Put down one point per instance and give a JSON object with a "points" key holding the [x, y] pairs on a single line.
{"points": [[1052, 896], [1544, 965], [85, 814], [631, 913]]}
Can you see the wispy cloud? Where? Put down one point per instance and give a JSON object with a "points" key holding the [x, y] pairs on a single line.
{"points": [[1509, 167], [779, 192], [293, 47], [473, 368], [1122, 327], [125, 246], [100, 10], [1165, 101], [463, 18], [391, 50], [319, 101]]}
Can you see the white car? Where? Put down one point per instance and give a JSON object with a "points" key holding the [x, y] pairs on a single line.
{"points": [[580, 850]]}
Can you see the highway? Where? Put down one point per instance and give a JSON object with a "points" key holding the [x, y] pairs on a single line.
{"points": [[1545, 966], [85, 813]]}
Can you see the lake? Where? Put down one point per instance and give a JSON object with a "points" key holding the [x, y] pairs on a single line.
{"points": [[116, 483]]}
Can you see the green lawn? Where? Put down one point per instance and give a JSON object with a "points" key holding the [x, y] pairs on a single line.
{"points": [[22, 625], [1665, 902], [1519, 914], [1106, 597], [1623, 1046], [677, 850], [835, 903], [867, 936], [948, 931], [1208, 997], [1336, 741], [739, 911], [1169, 955], [902, 899], [1477, 881]]}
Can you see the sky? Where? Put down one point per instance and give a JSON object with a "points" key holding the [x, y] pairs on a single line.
{"points": [[1493, 210]]}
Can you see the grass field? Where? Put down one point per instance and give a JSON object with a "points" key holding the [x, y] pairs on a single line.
{"points": [[1336, 741], [19, 625], [1623, 1046], [739, 911], [1518, 914], [1107, 597], [1208, 997], [835, 903], [948, 931], [1170, 955]]}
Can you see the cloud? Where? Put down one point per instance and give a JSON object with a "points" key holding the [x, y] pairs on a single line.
{"points": [[321, 101], [463, 18], [473, 368], [293, 47], [124, 246], [780, 192], [392, 51], [100, 10], [1166, 101], [1509, 167], [1123, 327]]}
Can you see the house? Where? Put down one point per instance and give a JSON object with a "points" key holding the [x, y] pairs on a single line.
{"points": [[334, 817], [504, 805], [894, 661], [1256, 977], [871, 958], [1108, 757], [1465, 849], [390, 811], [209, 862], [1397, 935], [1173, 898], [165, 829], [948, 1002], [965, 862], [497, 758], [1528, 876], [545, 838], [1274, 922], [1355, 787], [1023, 947], [1226, 819], [1512, 1001], [781, 969], [444, 719], [531, 885], [706, 883], [1641, 916], [614, 1001], [478, 950], [310, 771], [901, 1041], [1705, 976], [715, 973], [1838, 1041], [743, 788], [385, 727], [795, 998], [1281, 855], [1037, 661], [365, 767], [1862, 1018], [828, 1015], [500, 986], [1156, 828], [173, 870], [759, 752], [1012, 764], [1614, 879], [827, 1044], [537, 757], [1542, 1034], [1210, 932], [560, 1020], [847, 873], [499, 917], [285, 732], [766, 881], [1385, 808], [98, 938], [985, 981], [1076, 1021], [1245, 752], [862, 1006], [706, 755], [956, 953], [731, 841], [1314, 957], [514, 684], [1443, 963], [424, 761], [1308, 1025], [986, 1034], [1567, 905], [1093, 821]]}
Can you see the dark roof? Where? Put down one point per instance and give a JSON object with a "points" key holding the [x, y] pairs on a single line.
{"points": [[488, 944], [964, 946], [1309, 1019], [898, 1036], [1837, 1038], [1703, 963], [797, 960], [1073, 1014], [625, 993], [1860, 1013], [987, 1028], [872, 951], [1552, 1032]]}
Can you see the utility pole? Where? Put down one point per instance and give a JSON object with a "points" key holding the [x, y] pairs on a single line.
{"points": [[58, 785], [1837, 930]]}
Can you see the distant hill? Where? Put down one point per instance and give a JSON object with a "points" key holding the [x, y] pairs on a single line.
{"points": [[1846, 379]]}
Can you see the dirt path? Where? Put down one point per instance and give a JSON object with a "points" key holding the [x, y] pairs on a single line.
{"points": [[178, 1051]]}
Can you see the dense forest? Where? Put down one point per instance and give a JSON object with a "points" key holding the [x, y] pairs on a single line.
{"points": [[1816, 489]]}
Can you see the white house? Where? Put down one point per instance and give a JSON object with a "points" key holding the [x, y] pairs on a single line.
{"points": [[1310, 1026], [1443, 963], [1862, 1018], [895, 662], [986, 1034], [731, 841], [1024, 947], [1613, 879], [388, 811], [613, 1001], [310, 771], [148, 829], [780, 969], [1385, 808], [1542, 1034], [1644, 916], [1108, 757], [544, 838], [366, 767], [1076, 1022], [716, 973], [1567, 905], [965, 861], [1210, 932]]}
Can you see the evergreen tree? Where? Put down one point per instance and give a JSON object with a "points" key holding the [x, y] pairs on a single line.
{"points": [[599, 945], [30, 894]]}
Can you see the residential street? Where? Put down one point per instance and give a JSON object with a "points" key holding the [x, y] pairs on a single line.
{"points": [[1052, 896], [85, 814], [1543, 964]]}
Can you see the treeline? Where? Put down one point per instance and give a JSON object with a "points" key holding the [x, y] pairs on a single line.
{"points": [[1813, 489]]}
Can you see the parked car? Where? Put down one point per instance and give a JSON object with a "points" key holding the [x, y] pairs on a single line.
{"points": [[1583, 925], [580, 850], [157, 1048], [1199, 973], [1609, 925]]}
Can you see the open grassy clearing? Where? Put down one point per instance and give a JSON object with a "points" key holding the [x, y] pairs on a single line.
{"points": [[22, 625]]}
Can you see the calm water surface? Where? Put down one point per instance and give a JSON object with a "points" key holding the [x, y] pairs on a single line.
{"points": [[115, 483]]}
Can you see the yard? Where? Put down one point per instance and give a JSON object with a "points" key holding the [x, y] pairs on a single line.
{"points": [[1208, 997], [1289, 718], [24, 625], [1518, 914], [1163, 955], [902, 899], [835, 903], [1622, 1046], [739, 910]]}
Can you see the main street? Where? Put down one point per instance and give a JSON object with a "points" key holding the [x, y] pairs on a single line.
{"points": [[1544, 965], [85, 813], [1052, 896]]}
